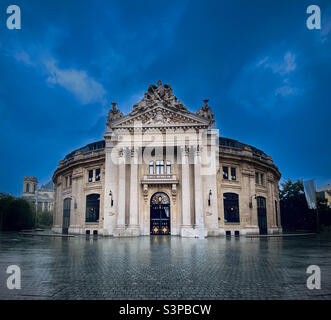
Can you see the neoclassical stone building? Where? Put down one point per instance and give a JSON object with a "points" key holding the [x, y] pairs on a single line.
{"points": [[163, 170]]}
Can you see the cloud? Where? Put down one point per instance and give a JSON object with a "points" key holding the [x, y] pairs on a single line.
{"points": [[267, 82], [84, 88], [23, 57], [286, 91], [282, 67]]}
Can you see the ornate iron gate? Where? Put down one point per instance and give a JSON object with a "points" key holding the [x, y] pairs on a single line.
{"points": [[160, 214]]}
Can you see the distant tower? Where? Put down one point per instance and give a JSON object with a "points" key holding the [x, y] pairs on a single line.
{"points": [[29, 186]]}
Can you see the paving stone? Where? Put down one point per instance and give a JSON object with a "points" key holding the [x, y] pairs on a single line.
{"points": [[164, 268]]}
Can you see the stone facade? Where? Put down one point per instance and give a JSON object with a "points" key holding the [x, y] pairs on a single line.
{"points": [[162, 168], [43, 196]]}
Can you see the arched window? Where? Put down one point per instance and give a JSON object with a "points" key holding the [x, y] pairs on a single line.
{"points": [[27, 188], [92, 207], [231, 207]]}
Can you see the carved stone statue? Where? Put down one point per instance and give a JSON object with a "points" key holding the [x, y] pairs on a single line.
{"points": [[160, 95], [114, 113], [205, 111]]}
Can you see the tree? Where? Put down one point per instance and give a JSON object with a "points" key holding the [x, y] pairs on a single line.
{"points": [[44, 218], [15, 214], [295, 214]]}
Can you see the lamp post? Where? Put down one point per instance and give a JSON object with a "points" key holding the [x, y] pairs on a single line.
{"points": [[209, 195], [111, 198], [35, 218]]}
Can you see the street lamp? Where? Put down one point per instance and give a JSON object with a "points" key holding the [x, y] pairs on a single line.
{"points": [[35, 218], [209, 197], [111, 198]]}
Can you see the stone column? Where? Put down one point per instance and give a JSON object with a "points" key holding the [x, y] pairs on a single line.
{"points": [[133, 221], [186, 210], [120, 227], [198, 199]]}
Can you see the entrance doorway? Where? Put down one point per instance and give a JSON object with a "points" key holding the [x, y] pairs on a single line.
{"points": [[262, 215], [160, 214], [66, 215]]}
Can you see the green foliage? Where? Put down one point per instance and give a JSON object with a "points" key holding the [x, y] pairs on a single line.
{"points": [[295, 214], [15, 213], [44, 219]]}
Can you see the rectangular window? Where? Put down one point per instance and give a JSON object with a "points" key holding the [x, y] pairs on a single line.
{"points": [[168, 167], [159, 167], [225, 173], [97, 174], [233, 174], [256, 177], [66, 181], [262, 179], [70, 180], [90, 175], [276, 213], [151, 167]]}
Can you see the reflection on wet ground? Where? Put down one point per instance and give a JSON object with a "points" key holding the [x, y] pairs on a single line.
{"points": [[164, 267]]}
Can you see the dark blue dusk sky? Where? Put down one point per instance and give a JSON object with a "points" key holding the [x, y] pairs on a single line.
{"points": [[267, 76]]}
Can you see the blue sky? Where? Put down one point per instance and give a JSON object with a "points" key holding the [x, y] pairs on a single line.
{"points": [[267, 76]]}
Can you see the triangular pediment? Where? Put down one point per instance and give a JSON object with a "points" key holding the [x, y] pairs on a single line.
{"points": [[160, 108], [160, 116]]}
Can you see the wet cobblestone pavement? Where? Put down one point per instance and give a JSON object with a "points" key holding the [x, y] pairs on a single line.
{"points": [[162, 267]]}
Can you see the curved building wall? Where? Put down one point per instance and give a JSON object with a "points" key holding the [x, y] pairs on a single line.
{"points": [[72, 180]]}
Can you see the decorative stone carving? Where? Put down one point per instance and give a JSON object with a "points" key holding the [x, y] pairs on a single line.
{"points": [[205, 111], [145, 192], [158, 95], [114, 113], [160, 198], [174, 192]]}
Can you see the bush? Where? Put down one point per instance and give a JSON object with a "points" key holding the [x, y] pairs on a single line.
{"points": [[15, 214], [44, 219]]}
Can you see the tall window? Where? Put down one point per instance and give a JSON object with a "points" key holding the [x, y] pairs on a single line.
{"points": [[231, 207], [92, 207], [233, 174], [97, 174], [151, 167], [168, 167], [27, 187], [159, 167], [90, 175], [66, 181], [276, 213], [262, 178], [256, 177], [225, 172], [70, 180]]}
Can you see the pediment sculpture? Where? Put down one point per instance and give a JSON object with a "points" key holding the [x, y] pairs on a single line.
{"points": [[160, 95]]}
